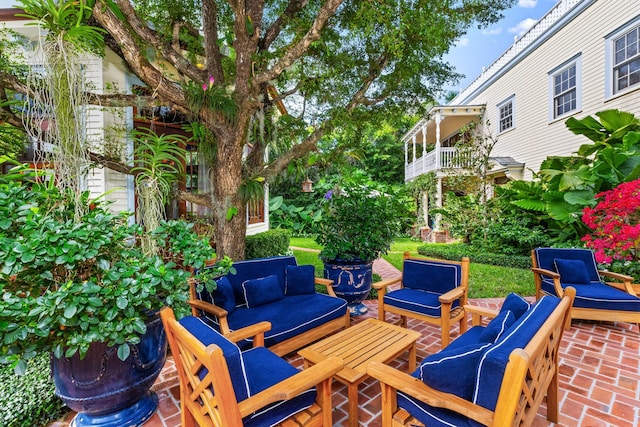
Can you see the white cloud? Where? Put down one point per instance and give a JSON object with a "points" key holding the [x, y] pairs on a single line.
{"points": [[464, 41], [527, 3], [522, 26], [492, 31]]}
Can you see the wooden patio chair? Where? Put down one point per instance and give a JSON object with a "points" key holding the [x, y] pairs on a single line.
{"points": [[434, 291], [508, 384], [556, 268], [222, 386]]}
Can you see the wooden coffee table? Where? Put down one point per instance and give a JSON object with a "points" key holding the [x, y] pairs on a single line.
{"points": [[368, 341]]}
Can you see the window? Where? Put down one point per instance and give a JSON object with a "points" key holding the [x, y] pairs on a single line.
{"points": [[623, 58], [506, 112], [565, 91]]}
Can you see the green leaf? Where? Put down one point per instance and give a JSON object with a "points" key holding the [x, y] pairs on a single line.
{"points": [[70, 311], [231, 212], [122, 302], [124, 351]]}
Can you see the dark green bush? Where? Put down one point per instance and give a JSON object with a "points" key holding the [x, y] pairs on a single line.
{"points": [[268, 243], [28, 400], [456, 251]]}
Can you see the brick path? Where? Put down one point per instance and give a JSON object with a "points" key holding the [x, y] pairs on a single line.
{"points": [[599, 375]]}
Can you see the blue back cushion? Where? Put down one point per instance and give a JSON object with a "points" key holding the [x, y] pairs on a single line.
{"points": [[223, 295], [498, 326], [257, 268], [262, 291], [572, 271], [207, 335], [299, 280], [453, 370], [430, 275], [493, 363], [545, 257], [515, 304]]}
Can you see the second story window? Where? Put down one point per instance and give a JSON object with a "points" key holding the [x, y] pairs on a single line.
{"points": [[506, 112], [564, 88], [622, 59]]}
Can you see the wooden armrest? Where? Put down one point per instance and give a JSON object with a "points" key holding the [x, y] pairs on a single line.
{"points": [[619, 277], [477, 313], [327, 283], [544, 272], [414, 387], [208, 307], [256, 331], [623, 281], [292, 386], [452, 295], [384, 283]]}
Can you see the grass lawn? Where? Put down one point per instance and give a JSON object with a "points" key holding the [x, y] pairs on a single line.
{"points": [[485, 281]]}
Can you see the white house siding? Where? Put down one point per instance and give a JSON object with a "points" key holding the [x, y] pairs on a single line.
{"points": [[535, 136]]}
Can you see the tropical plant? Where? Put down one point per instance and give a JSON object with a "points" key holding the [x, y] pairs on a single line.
{"points": [[159, 161], [564, 186], [359, 218], [67, 283], [299, 219]]}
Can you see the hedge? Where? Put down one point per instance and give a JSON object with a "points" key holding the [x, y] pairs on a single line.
{"points": [[456, 251], [268, 243]]}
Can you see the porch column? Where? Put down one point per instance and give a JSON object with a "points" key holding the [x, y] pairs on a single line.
{"points": [[438, 218], [438, 148], [413, 140], [424, 141]]}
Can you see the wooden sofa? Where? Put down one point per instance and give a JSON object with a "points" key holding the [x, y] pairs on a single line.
{"points": [[278, 291], [478, 382]]}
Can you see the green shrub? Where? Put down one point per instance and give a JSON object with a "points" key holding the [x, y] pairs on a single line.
{"points": [[28, 400], [268, 243], [456, 251]]}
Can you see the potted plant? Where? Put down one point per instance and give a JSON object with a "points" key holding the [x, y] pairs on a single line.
{"points": [[84, 291], [359, 220]]}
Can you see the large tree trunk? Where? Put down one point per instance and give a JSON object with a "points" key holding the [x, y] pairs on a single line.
{"points": [[226, 179]]}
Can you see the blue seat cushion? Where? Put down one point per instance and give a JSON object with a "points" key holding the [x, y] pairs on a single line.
{"points": [[493, 363], [572, 271], [264, 369], [498, 326], [515, 304], [431, 276], [289, 316], [236, 365], [262, 291], [417, 301], [604, 297], [299, 280], [437, 369]]}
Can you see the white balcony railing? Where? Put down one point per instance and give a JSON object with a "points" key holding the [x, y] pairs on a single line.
{"points": [[449, 159]]}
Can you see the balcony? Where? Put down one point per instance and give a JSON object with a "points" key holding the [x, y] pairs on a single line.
{"points": [[441, 160]]}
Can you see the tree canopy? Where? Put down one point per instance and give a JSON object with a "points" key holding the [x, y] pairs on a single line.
{"points": [[226, 65]]}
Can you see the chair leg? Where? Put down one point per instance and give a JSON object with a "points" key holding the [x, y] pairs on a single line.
{"points": [[403, 321]]}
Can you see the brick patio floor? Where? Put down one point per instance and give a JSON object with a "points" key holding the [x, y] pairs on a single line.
{"points": [[599, 375]]}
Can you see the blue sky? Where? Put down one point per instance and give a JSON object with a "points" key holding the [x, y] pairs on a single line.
{"points": [[480, 48]]}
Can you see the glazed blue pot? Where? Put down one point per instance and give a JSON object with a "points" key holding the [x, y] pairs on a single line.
{"points": [[109, 392], [351, 282]]}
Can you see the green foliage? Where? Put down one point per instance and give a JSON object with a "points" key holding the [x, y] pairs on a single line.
{"points": [[359, 219], [300, 220], [509, 235], [456, 251], [68, 20], [28, 400], [463, 215], [566, 185], [267, 244], [68, 283]]}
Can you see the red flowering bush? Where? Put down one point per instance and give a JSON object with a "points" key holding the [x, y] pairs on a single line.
{"points": [[615, 222]]}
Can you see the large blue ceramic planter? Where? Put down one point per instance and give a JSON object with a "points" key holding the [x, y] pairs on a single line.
{"points": [[109, 392], [351, 282]]}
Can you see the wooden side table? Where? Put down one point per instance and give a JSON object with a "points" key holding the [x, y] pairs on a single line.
{"points": [[370, 340]]}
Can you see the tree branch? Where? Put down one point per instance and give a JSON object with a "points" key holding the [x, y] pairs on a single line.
{"points": [[273, 32], [198, 199], [172, 55], [138, 63], [213, 57], [296, 51]]}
